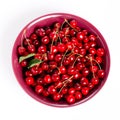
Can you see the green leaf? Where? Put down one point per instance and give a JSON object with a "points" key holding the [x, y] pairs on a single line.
{"points": [[26, 57], [34, 62]]}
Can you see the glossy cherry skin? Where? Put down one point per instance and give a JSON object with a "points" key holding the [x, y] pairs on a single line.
{"points": [[29, 80], [38, 89]]}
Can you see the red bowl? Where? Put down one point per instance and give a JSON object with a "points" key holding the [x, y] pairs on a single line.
{"points": [[47, 20]]}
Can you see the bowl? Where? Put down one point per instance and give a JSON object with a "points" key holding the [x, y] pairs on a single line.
{"points": [[47, 20]]}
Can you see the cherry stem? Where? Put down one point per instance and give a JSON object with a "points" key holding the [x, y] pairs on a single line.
{"points": [[64, 56], [51, 46], [64, 83], [75, 61], [62, 24]]}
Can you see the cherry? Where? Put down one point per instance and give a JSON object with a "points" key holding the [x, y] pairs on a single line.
{"points": [[94, 68], [42, 49], [23, 63], [85, 72], [38, 56], [51, 90], [34, 70], [51, 56], [80, 36], [52, 64], [47, 79], [80, 65], [28, 74], [29, 80], [56, 97], [98, 59], [53, 36], [71, 91], [31, 48], [70, 99], [55, 77], [92, 37], [65, 76], [27, 42], [40, 70], [45, 93], [92, 44], [57, 25], [45, 40], [66, 30], [61, 47], [87, 46], [92, 51], [95, 81], [72, 32], [36, 43], [85, 90], [58, 57], [100, 52], [66, 61], [33, 36], [84, 81], [40, 32], [54, 49], [73, 23], [78, 95], [44, 66], [76, 75], [65, 39], [64, 91], [62, 69], [21, 50], [71, 70], [101, 73], [58, 84], [39, 81], [77, 86], [85, 40], [74, 40], [38, 89], [82, 51], [90, 85]]}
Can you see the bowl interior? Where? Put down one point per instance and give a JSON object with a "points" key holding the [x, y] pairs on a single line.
{"points": [[48, 20]]}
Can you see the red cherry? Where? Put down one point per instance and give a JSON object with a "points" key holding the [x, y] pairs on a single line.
{"points": [[33, 36], [31, 48], [39, 89], [45, 40], [29, 80], [95, 81], [58, 57], [80, 36], [21, 50], [77, 86], [42, 49], [54, 49], [92, 37], [28, 74], [78, 95], [51, 89], [56, 97], [101, 73], [94, 68], [47, 79], [71, 91], [84, 81], [85, 90], [73, 23], [23, 63], [34, 70], [61, 47], [55, 77], [98, 59], [70, 99], [100, 52], [92, 51], [62, 69], [40, 32]]}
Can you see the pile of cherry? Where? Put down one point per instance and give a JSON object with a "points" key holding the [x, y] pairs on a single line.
{"points": [[61, 62]]}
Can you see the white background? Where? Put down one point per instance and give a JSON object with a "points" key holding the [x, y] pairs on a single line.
{"points": [[15, 104]]}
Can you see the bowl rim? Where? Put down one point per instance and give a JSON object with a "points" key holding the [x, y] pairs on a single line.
{"points": [[62, 105]]}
